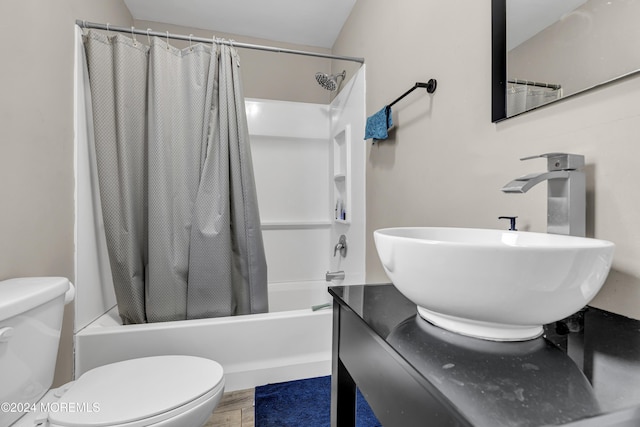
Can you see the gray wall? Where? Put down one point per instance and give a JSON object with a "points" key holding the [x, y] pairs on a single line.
{"points": [[36, 142], [446, 162]]}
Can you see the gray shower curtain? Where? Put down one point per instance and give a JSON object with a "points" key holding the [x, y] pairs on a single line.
{"points": [[176, 181]]}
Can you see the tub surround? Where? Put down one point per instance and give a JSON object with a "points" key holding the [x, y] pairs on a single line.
{"points": [[585, 371]]}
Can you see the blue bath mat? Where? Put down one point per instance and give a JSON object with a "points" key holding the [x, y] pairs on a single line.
{"points": [[304, 403]]}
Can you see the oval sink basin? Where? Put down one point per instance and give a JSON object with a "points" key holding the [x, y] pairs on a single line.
{"points": [[493, 284]]}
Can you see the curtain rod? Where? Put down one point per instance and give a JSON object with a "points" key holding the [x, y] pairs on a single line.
{"points": [[538, 84], [132, 30]]}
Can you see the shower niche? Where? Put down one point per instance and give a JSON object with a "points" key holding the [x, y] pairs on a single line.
{"points": [[342, 176]]}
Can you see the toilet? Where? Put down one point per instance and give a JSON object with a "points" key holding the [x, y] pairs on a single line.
{"points": [[160, 391]]}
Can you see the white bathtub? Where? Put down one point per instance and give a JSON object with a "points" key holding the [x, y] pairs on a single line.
{"points": [[289, 342]]}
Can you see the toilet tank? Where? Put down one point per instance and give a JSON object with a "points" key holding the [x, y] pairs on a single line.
{"points": [[30, 323]]}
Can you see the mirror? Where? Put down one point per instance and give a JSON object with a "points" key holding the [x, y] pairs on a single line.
{"points": [[547, 50]]}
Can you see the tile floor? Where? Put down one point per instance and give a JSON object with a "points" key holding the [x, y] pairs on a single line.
{"points": [[234, 410]]}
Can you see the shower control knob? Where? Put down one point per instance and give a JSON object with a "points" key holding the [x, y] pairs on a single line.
{"points": [[341, 246]]}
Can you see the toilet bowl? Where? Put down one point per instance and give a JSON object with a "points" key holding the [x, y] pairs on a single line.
{"points": [[160, 391]]}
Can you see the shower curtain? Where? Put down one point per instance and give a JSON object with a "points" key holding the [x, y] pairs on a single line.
{"points": [[522, 97], [175, 179]]}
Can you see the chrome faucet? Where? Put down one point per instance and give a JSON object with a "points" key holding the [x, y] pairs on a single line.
{"points": [[566, 194]]}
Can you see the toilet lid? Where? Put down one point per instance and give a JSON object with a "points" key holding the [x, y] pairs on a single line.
{"points": [[136, 389]]}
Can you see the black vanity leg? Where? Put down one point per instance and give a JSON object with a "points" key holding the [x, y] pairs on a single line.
{"points": [[343, 388]]}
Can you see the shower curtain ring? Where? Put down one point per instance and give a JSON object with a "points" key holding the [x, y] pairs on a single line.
{"points": [[108, 32], [148, 36], [167, 40], [214, 44], [190, 45], [135, 42], [234, 52]]}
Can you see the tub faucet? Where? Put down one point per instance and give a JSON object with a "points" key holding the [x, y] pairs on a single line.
{"points": [[566, 193]]}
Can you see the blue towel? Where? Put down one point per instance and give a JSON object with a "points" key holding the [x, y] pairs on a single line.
{"points": [[378, 124]]}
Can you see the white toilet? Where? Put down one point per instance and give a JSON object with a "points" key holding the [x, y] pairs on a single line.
{"points": [[162, 391]]}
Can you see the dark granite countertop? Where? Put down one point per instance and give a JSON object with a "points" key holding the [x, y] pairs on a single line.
{"points": [[578, 370]]}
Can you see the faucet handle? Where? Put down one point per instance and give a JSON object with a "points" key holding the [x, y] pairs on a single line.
{"points": [[560, 161]]}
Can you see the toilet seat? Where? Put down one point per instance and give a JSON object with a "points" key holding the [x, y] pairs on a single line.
{"points": [[138, 392]]}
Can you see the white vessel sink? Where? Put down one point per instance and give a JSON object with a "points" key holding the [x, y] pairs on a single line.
{"points": [[493, 284]]}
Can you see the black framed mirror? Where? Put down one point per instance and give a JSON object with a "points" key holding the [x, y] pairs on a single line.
{"points": [[544, 51]]}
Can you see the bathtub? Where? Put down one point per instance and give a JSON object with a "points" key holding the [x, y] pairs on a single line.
{"points": [[290, 342]]}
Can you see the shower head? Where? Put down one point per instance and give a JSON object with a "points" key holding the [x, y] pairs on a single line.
{"points": [[329, 82]]}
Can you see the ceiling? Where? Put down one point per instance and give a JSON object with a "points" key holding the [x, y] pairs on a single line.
{"points": [[305, 22]]}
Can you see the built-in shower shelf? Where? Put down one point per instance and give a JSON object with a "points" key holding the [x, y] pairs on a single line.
{"points": [[341, 179], [293, 225]]}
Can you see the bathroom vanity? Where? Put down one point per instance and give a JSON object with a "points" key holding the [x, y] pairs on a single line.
{"points": [[585, 372]]}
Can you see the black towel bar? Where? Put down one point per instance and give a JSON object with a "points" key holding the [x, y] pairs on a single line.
{"points": [[430, 86]]}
